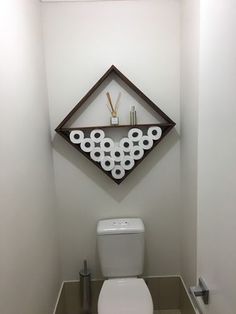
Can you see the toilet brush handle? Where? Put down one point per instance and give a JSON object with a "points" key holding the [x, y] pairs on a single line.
{"points": [[85, 290]]}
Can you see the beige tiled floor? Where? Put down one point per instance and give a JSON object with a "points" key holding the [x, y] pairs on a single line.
{"points": [[165, 312], [168, 312], [167, 292]]}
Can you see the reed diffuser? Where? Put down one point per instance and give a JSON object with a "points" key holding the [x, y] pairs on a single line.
{"points": [[114, 120]]}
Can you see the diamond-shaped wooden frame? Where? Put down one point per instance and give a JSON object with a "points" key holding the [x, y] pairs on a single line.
{"points": [[65, 132]]}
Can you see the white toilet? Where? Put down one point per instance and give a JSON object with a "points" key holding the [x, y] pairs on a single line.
{"points": [[121, 252]]}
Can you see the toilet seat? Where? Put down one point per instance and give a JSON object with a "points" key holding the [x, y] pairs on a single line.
{"points": [[125, 296]]}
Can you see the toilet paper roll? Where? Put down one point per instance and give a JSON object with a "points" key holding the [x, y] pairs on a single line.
{"points": [[118, 172], [126, 144], [107, 163], [154, 132], [76, 136], [136, 152], [97, 135], [145, 142], [135, 134], [107, 144], [127, 163], [87, 145], [97, 154], [117, 154]]}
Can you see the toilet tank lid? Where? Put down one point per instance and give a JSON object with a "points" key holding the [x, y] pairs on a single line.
{"points": [[120, 226]]}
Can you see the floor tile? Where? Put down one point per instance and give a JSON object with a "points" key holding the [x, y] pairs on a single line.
{"points": [[168, 312]]}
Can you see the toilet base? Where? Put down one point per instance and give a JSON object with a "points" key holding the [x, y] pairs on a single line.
{"points": [[125, 296]]}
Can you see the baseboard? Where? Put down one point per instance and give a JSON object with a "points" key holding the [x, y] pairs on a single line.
{"points": [[59, 296]]}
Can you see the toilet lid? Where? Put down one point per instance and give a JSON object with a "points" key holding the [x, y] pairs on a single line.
{"points": [[125, 296]]}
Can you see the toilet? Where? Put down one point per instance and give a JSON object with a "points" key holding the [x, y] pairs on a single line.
{"points": [[121, 252]]}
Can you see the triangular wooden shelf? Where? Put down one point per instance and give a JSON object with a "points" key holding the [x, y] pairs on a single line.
{"points": [[166, 126]]}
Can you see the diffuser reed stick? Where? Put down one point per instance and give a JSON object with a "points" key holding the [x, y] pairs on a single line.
{"points": [[113, 109], [113, 112], [117, 102]]}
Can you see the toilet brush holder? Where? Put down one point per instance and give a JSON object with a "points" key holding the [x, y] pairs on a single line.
{"points": [[85, 290]]}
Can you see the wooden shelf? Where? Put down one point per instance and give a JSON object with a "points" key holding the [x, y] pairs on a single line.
{"points": [[115, 126], [165, 126]]}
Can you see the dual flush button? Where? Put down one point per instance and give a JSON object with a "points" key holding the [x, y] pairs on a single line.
{"points": [[120, 223]]}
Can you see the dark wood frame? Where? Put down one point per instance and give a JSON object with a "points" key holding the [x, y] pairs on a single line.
{"points": [[166, 126]]}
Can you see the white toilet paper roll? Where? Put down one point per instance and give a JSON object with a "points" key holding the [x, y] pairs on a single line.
{"points": [[97, 154], [87, 145], [155, 132], [76, 136], [145, 142], [107, 163], [107, 144], [127, 163], [118, 172], [126, 144], [97, 135], [136, 152], [117, 154], [135, 134]]}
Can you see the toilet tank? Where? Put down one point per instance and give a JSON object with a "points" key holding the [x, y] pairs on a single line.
{"points": [[121, 247]]}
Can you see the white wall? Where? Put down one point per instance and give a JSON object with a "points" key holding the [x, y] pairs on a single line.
{"points": [[217, 154], [29, 269], [189, 136], [142, 38]]}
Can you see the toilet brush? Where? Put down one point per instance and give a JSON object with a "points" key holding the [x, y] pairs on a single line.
{"points": [[85, 289]]}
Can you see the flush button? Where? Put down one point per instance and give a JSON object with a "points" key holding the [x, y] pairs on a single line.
{"points": [[120, 222]]}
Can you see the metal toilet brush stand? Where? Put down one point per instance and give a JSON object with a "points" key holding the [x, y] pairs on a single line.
{"points": [[85, 289]]}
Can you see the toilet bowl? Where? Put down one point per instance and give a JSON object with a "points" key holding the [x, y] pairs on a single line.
{"points": [[121, 253], [125, 296]]}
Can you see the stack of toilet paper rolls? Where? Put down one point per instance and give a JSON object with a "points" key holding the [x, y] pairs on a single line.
{"points": [[116, 158]]}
